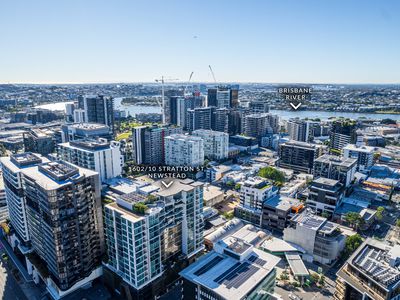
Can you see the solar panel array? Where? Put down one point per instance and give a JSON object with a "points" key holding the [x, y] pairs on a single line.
{"points": [[236, 275], [206, 267], [257, 260], [372, 262], [244, 272], [312, 222], [221, 277]]}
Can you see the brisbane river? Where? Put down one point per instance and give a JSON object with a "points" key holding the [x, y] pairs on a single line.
{"points": [[284, 114]]}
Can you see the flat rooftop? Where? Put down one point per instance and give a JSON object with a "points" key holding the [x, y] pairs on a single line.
{"points": [[89, 126], [337, 160], [25, 159], [365, 149], [304, 145], [296, 264], [90, 145], [227, 276], [372, 259], [133, 197], [58, 171], [52, 175], [276, 245], [326, 181], [309, 220], [282, 203]]}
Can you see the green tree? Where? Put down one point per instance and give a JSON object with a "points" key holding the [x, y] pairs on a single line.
{"points": [[325, 214], [321, 280], [354, 219], [398, 223], [230, 184], [388, 121], [151, 198], [228, 215], [379, 212], [352, 243], [272, 174], [237, 186], [140, 208]]}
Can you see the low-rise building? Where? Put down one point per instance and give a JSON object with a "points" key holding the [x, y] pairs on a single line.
{"points": [[212, 195], [233, 270], [371, 272], [278, 210], [335, 167], [253, 192], [325, 195], [363, 154], [321, 240]]}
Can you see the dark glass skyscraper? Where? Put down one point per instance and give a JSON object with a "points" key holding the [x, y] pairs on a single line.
{"points": [[98, 109]]}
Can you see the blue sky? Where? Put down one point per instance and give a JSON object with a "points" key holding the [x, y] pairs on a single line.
{"points": [[335, 41]]}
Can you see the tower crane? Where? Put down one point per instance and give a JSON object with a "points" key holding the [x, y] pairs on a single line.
{"points": [[163, 80], [212, 73], [190, 78]]}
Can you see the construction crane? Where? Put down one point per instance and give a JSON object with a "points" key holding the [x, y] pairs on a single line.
{"points": [[212, 73], [190, 78], [163, 80]]}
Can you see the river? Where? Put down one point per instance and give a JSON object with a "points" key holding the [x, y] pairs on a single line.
{"points": [[284, 114]]}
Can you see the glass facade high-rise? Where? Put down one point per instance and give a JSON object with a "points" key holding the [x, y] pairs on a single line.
{"points": [[142, 243]]}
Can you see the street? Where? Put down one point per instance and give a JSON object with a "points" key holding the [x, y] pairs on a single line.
{"points": [[9, 287]]}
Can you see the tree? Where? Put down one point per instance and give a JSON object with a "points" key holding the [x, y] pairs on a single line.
{"points": [[352, 243], [229, 215], [325, 214], [314, 277], [237, 186], [151, 198], [230, 184], [272, 174], [321, 280], [379, 212], [388, 121], [398, 223], [354, 219], [140, 208]]}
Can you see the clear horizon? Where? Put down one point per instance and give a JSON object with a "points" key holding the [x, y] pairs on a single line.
{"points": [[102, 42]]}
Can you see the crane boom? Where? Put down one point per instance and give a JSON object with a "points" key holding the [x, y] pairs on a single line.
{"points": [[212, 73], [162, 80], [190, 78]]}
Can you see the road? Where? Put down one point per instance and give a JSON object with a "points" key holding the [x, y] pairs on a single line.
{"points": [[9, 287]]}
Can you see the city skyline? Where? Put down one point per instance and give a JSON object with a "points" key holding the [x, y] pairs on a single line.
{"points": [[264, 41]]}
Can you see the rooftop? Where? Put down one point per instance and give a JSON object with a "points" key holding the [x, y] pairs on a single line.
{"points": [[374, 259], [337, 160], [326, 181], [229, 277], [59, 170], [25, 159], [90, 145], [282, 203], [275, 245], [52, 175], [89, 126], [176, 187], [309, 220], [366, 149]]}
